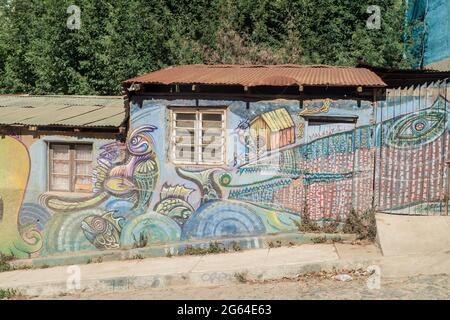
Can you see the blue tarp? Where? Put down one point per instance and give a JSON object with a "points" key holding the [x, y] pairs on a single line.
{"points": [[435, 34]]}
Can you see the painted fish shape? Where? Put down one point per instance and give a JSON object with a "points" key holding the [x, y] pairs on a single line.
{"points": [[174, 202], [102, 231]]}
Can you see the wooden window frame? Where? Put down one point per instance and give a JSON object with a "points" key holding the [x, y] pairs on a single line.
{"points": [[72, 166], [198, 161]]}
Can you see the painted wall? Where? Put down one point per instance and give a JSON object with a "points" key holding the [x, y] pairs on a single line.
{"points": [[392, 158]]}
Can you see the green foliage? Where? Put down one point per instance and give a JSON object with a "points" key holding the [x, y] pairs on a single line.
{"points": [[8, 293], [214, 247], [120, 39], [5, 262]]}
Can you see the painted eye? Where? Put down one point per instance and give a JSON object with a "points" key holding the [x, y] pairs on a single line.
{"points": [[136, 140], [417, 129]]}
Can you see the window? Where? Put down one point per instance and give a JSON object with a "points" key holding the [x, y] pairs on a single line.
{"points": [[70, 167], [319, 126], [198, 136]]}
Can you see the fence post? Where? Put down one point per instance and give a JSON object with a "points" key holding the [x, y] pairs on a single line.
{"points": [[447, 191]]}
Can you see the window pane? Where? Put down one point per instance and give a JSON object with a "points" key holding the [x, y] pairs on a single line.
{"points": [[212, 153], [83, 152], [211, 138], [61, 167], [185, 120], [211, 117], [60, 152], [83, 168], [185, 116], [185, 153], [83, 184], [211, 120], [185, 136], [59, 183]]}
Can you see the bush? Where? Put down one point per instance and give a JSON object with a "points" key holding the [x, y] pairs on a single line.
{"points": [[363, 225]]}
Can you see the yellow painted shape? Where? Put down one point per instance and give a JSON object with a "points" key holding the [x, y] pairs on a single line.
{"points": [[14, 172]]}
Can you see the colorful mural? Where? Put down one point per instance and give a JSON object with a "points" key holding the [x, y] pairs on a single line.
{"points": [[394, 160], [15, 238]]}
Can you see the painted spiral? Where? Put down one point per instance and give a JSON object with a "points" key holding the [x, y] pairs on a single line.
{"points": [[218, 219], [140, 142]]}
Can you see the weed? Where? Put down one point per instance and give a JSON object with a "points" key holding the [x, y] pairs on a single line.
{"points": [[364, 224], [335, 239], [307, 224], [99, 260], [8, 293], [214, 247], [169, 254], [89, 261], [137, 257], [142, 242], [319, 239], [236, 246], [5, 264], [275, 244], [45, 266], [241, 277]]}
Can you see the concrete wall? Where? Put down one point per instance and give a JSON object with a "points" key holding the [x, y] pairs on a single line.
{"points": [[392, 157]]}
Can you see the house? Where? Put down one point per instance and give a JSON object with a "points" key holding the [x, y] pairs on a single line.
{"points": [[50, 147], [273, 129], [191, 170]]}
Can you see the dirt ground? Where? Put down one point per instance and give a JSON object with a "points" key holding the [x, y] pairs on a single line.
{"points": [[317, 287]]}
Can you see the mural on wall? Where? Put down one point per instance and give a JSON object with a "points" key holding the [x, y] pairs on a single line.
{"points": [[19, 238], [310, 110], [412, 166], [271, 179]]}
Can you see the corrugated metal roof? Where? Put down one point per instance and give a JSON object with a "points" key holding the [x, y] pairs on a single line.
{"points": [[254, 75], [278, 119], [67, 111]]}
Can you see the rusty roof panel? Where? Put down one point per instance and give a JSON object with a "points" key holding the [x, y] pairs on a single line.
{"points": [[252, 75], [71, 111]]}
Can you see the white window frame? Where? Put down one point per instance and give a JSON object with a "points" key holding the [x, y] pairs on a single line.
{"points": [[198, 143]]}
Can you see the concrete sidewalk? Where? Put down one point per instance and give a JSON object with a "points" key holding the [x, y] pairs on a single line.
{"points": [[261, 264], [401, 235]]}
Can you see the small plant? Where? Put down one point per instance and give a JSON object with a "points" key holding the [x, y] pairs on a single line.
{"points": [[275, 244], [169, 254], [137, 257], [335, 239], [45, 266], [241, 277], [5, 264], [364, 224], [319, 239], [214, 247], [236, 246], [142, 242], [89, 261], [99, 260], [307, 224], [8, 293]]}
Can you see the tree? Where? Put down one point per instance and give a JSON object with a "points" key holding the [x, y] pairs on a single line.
{"points": [[120, 39]]}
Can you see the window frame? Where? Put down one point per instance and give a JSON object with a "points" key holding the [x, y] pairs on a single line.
{"points": [[173, 110], [72, 166]]}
